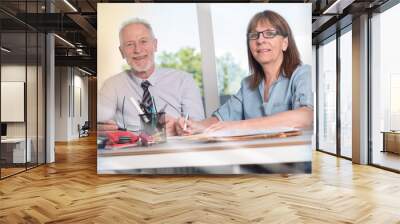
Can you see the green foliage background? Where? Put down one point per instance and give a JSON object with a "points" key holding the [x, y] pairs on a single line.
{"points": [[188, 59]]}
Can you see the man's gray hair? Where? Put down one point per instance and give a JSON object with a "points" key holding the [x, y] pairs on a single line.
{"points": [[136, 21]]}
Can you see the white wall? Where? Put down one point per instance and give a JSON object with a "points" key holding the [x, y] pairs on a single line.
{"points": [[62, 98], [71, 93], [15, 73], [80, 109], [33, 127]]}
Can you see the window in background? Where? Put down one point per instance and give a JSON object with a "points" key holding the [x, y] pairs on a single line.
{"points": [[41, 89], [35, 88], [31, 96], [14, 151], [327, 96], [385, 84], [394, 101], [346, 94], [230, 53], [22, 67], [41, 79]]}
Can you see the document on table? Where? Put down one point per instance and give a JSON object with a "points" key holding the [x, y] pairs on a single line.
{"points": [[243, 132], [243, 135]]}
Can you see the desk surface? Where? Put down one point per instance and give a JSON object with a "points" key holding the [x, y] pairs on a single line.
{"points": [[180, 152]]}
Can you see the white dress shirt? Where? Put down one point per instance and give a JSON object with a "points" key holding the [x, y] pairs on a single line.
{"points": [[170, 87]]}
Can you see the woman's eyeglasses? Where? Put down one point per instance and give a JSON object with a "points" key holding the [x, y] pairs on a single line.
{"points": [[269, 34]]}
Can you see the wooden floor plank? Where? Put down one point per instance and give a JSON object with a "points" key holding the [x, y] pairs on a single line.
{"points": [[70, 191]]}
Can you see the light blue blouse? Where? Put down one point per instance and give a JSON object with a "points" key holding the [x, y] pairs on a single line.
{"points": [[284, 94]]}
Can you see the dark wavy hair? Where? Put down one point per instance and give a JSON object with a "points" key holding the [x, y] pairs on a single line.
{"points": [[291, 57]]}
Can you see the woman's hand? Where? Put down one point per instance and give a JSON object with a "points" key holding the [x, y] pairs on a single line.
{"points": [[191, 127], [226, 125]]}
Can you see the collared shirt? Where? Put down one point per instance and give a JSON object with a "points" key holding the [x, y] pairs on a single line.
{"points": [[284, 94], [171, 89]]}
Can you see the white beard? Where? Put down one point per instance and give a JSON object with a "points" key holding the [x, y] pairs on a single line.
{"points": [[142, 68]]}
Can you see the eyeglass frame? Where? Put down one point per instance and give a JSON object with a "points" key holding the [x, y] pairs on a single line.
{"points": [[276, 33]]}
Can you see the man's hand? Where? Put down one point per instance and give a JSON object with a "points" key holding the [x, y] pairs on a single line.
{"points": [[109, 125], [170, 125]]}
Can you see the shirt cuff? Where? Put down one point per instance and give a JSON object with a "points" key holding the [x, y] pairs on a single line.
{"points": [[303, 101], [217, 115]]}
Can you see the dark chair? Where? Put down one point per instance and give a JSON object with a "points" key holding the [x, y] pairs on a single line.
{"points": [[84, 130]]}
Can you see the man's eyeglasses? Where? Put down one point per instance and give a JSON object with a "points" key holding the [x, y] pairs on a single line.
{"points": [[269, 34]]}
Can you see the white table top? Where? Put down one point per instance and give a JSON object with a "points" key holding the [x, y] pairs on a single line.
{"points": [[178, 152]]}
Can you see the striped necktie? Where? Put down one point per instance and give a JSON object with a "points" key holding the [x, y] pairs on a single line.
{"points": [[146, 100]]}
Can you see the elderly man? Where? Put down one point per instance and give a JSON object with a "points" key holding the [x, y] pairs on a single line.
{"points": [[170, 90]]}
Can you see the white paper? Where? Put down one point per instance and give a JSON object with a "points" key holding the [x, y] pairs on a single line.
{"points": [[243, 132]]}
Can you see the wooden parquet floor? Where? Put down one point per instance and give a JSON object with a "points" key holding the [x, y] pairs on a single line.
{"points": [[70, 191]]}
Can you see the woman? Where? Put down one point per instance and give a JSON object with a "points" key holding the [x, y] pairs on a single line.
{"points": [[278, 92]]}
